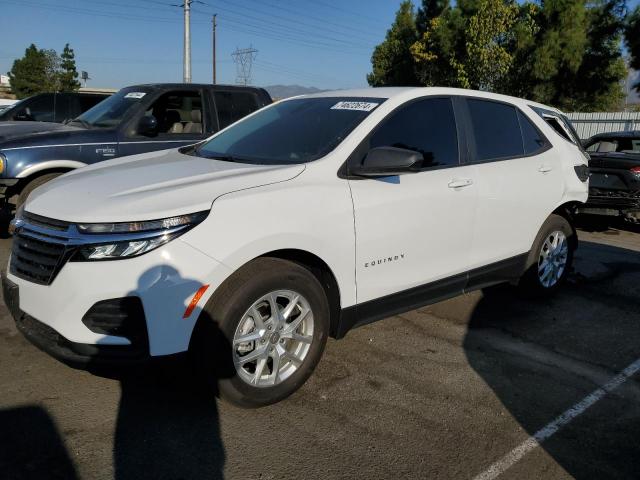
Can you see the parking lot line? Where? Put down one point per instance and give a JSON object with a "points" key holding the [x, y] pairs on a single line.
{"points": [[515, 455]]}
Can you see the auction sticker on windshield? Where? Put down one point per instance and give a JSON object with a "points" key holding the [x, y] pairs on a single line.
{"points": [[135, 95], [360, 106]]}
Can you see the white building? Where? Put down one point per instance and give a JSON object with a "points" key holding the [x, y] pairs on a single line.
{"points": [[4, 80]]}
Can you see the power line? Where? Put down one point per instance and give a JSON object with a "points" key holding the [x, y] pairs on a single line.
{"points": [[305, 14], [348, 36], [254, 30]]}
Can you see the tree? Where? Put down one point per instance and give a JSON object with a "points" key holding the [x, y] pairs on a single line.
{"points": [[391, 61], [68, 76], [429, 10], [632, 36], [469, 46], [28, 74]]}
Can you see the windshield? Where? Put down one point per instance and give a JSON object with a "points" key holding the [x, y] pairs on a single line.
{"points": [[7, 109], [111, 111], [290, 132]]}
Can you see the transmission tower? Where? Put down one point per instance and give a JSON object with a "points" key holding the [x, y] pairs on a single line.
{"points": [[243, 58]]}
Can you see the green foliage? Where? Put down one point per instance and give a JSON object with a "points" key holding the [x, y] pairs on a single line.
{"points": [[41, 71], [632, 36], [565, 53], [390, 60], [28, 74], [68, 74]]}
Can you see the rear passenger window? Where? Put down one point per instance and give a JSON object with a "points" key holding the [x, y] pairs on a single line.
{"points": [[532, 139], [232, 106], [496, 130], [426, 126]]}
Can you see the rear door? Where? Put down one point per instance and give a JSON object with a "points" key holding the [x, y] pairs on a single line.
{"points": [[415, 229], [183, 119], [519, 179]]}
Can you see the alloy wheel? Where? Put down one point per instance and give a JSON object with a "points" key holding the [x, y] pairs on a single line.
{"points": [[273, 338], [552, 261]]}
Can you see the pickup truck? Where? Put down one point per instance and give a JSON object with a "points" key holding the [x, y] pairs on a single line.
{"points": [[137, 119], [51, 107]]}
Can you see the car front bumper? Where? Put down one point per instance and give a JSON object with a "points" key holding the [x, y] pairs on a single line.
{"points": [[77, 355], [165, 280]]}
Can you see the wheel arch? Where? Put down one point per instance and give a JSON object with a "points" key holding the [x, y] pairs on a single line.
{"points": [[323, 273], [567, 210], [38, 170]]}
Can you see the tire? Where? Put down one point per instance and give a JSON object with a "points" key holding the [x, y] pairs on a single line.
{"points": [[230, 314], [534, 282], [32, 185]]}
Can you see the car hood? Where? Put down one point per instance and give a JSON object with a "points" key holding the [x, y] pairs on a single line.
{"points": [[148, 186], [14, 130]]}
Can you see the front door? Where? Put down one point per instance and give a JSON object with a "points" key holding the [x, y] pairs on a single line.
{"points": [[415, 229], [182, 118]]}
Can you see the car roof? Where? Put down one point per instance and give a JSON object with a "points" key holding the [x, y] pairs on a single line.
{"points": [[412, 92], [197, 85], [624, 134]]}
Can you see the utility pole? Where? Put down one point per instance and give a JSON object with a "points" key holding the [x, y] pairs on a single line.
{"points": [[187, 42], [213, 20]]}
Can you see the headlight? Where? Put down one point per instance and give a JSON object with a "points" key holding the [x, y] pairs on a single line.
{"points": [[130, 239]]}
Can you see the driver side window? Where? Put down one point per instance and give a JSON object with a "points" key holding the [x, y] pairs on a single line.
{"points": [[178, 112], [427, 126]]}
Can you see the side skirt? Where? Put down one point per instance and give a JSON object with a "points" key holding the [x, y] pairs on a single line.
{"points": [[373, 310]]}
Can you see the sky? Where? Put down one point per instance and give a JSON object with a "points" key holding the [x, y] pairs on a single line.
{"points": [[321, 43]]}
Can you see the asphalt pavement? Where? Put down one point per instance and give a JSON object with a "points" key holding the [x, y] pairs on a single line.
{"points": [[486, 385]]}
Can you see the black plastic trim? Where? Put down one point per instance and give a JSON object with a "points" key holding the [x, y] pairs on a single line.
{"points": [[373, 310]]}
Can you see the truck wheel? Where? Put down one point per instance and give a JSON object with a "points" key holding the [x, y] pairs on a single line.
{"points": [[262, 333], [32, 185], [550, 259]]}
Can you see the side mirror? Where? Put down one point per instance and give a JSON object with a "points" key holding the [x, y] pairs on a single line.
{"points": [[388, 161], [148, 125], [24, 115]]}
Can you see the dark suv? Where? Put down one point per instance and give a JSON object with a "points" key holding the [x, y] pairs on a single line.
{"points": [[51, 107], [137, 119]]}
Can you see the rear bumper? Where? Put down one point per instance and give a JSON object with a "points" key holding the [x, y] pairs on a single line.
{"points": [[77, 355], [614, 203]]}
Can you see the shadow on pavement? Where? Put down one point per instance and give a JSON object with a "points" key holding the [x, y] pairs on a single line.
{"points": [[168, 425], [542, 357], [31, 446]]}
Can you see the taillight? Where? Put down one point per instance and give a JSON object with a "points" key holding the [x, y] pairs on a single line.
{"points": [[636, 171]]}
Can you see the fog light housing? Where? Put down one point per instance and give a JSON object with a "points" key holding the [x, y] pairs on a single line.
{"points": [[119, 317]]}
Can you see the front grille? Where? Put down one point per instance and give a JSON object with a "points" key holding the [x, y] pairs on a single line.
{"points": [[40, 248], [36, 260]]}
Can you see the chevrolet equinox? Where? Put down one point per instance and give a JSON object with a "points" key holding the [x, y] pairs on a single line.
{"points": [[305, 219]]}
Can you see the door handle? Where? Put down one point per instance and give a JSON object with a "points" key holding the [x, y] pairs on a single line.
{"points": [[459, 183], [545, 168]]}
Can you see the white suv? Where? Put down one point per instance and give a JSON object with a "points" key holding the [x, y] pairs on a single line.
{"points": [[305, 219]]}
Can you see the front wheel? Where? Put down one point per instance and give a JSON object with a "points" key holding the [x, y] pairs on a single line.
{"points": [[273, 317], [550, 259]]}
